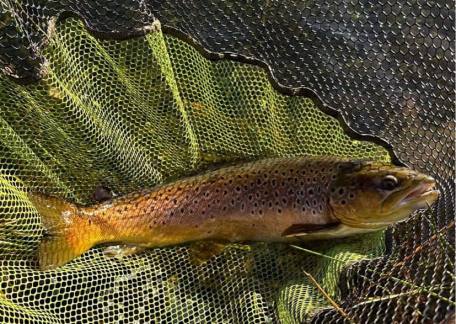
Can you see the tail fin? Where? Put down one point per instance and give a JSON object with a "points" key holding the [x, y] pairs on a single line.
{"points": [[67, 236]]}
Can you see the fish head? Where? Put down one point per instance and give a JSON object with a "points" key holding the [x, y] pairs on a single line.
{"points": [[374, 195]]}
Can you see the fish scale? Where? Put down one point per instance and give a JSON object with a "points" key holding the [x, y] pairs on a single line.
{"points": [[266, 200]]}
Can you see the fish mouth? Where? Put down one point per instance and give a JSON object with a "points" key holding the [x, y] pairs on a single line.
{"points": [[422, 195]]}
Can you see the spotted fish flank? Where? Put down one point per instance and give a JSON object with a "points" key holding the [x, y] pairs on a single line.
{"points": [[268, 200]]}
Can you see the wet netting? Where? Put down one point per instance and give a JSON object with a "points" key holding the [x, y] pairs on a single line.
{"points": [[128, 94]]}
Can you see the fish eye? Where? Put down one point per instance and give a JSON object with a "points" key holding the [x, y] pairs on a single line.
{"points": [[389, 182]]}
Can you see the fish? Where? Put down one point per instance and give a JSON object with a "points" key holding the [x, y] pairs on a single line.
{"points": [[269, 200]]}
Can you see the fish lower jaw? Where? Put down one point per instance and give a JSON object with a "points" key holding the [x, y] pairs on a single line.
{"points": [[426, 198]]}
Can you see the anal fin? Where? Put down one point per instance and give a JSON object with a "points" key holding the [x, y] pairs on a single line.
{"points": [[122, 250], [201, 251]]}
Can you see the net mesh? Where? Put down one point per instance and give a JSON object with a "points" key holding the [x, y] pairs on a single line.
{"points": [[132, 113]]}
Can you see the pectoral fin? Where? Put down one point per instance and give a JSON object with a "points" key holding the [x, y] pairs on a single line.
{"points": [[306, 229]]}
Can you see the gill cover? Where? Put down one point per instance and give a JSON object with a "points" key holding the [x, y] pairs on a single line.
{"points": [[374, 195]]}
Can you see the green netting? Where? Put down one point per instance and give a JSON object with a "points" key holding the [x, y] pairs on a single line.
{"points": [[131, 114]]}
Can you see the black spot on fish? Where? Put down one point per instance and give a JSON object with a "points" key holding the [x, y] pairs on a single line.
{"points": [[310, 192], [341, 191]]}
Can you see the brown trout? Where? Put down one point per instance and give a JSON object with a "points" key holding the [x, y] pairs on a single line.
{"points": [[275, 199]]}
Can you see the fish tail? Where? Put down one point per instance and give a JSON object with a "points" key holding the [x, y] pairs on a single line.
{"points": [[67, 234]]}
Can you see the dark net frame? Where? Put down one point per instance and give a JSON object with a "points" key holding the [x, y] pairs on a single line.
{"points": [[386, 67]]}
